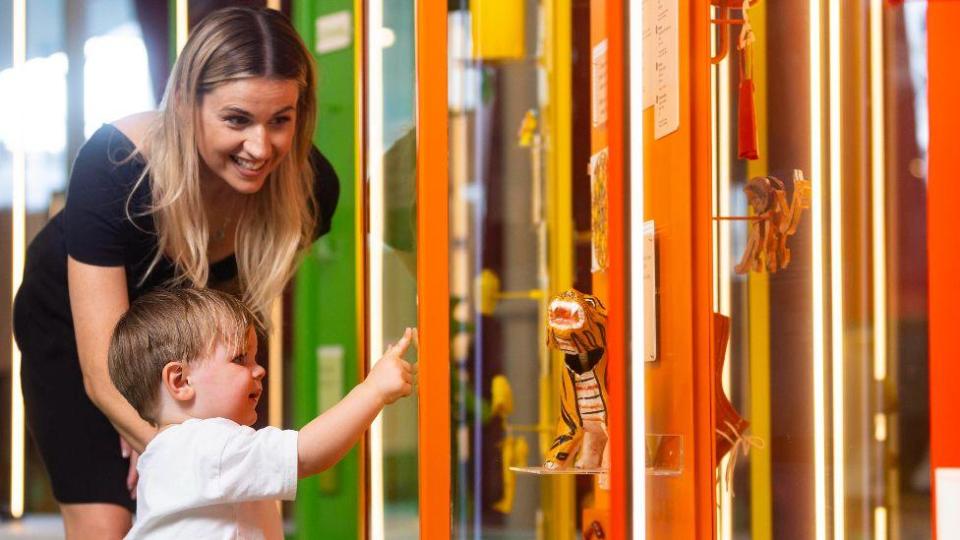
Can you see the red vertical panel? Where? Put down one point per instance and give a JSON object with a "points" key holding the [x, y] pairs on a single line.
{"points": [[617, 241], [432, 269], [943, 221]]}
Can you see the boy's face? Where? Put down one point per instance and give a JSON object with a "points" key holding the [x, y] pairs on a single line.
{"points": [[228, 383]]}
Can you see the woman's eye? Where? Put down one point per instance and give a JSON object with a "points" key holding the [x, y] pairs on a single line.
{"points": [[235, 120], [280, 120], [240, 359]]}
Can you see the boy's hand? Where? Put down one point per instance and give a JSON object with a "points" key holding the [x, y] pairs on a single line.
{"points": [[392, 377]]}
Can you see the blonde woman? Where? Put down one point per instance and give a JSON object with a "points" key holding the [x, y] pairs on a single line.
{"points": [[221, 186]]}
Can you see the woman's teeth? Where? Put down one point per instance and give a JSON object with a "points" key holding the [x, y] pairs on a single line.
{"points": [[249, 165]]}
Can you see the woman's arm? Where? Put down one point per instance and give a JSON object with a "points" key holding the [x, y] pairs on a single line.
{"points": [[326, 439], [98, 298]]}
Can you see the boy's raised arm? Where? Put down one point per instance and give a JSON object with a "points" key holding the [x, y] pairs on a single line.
{"points": [[327, 438]]}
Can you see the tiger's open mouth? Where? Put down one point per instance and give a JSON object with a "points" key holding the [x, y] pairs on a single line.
{"points": [[565, 315]]}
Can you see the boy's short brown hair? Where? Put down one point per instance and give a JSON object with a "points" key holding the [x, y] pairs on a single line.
{"points": [[170, 325]]}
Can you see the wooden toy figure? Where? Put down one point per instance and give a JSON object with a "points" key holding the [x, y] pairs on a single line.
{"points": [[576, 325], [774, 221]]}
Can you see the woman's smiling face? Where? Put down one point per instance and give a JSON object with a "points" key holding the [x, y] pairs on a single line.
{"points": [[246, 128]]}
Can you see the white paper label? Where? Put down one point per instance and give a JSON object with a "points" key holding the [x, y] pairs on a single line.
{"points": [[666, 65], [329, 376], [333, 32], [649, 53], [948, 503], [598, 86], [649, 291]]}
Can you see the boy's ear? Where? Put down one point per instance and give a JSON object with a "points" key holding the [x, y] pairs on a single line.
{"points": [[175, 381]]}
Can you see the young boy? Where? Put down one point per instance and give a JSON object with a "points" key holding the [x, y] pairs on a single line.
{"points": [[185, 360]]}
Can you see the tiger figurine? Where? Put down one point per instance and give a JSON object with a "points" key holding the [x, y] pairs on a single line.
{"points": [[576, 325]]}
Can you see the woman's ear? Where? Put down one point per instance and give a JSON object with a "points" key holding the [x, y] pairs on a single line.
{"points": [[175, 381]]}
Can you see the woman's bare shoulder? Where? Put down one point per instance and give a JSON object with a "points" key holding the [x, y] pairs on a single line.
{"points": [[135, 126]]}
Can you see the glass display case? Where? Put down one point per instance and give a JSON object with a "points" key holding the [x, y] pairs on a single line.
{"points": [[391, 246], [513, 119], [530, 217], [667, 260], [822, 321]]}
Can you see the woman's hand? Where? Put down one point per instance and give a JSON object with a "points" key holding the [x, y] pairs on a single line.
{"points": [[132, 475], [392, 377]]}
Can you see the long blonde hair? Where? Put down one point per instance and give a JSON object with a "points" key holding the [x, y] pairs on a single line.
{"points": [[277, 222]]}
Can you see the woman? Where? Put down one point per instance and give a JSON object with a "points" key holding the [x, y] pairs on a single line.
{"points": [[221, 186]]}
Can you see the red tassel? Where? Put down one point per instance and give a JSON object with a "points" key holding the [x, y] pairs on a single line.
{"points": [[747, 146]]}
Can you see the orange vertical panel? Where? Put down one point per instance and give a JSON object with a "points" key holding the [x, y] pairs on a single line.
{"points": [[943, 19], [701, 162], [679, 384], [432, 269], [617, 372]]}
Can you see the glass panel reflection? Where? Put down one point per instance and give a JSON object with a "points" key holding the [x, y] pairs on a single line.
{"points": [[828, 365], [517, 130], [391, 252]]}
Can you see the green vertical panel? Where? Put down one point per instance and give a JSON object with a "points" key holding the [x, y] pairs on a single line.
{"points": [[325, 311]]}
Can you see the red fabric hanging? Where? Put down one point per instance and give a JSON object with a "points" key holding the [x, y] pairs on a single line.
{"points": [[747, 146]]}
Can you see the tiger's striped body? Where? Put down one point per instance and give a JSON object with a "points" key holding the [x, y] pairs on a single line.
{"points": [[576, 325]]}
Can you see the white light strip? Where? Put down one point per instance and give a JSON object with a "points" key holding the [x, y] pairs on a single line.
{"points": [[723, 193], [376, 525], [637, 320], [816, 178], [181, 27], [878, 174], [17, 427], [722, 270], [715, 153], [275, 364], [836, 271], [880, 521]]}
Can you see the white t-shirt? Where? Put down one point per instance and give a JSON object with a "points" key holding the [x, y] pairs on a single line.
{"points": [[213, 479]]}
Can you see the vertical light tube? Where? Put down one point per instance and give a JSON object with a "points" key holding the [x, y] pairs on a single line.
{"points": [[879, 205], [637, 320], [723, 198], [375, 246], [17, 427], [715, 155], [722, 264], [276, 336], [880, 523], [878, 176], [181, 23], [836, 268], [275, 364], [816, 210]]}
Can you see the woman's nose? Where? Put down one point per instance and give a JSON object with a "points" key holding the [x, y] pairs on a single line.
{"points": [[256, 143]]}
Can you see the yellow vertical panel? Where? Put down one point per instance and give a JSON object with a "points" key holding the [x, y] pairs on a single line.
{"points": [[559, 491], [761, 505], [498, 29]]}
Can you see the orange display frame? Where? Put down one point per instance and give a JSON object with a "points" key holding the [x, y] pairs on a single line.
{"points": [[943, 257], [433, 279], [433, 268], [679, 385]]}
